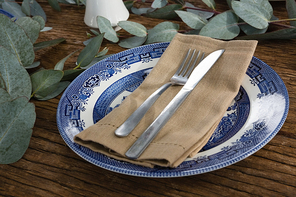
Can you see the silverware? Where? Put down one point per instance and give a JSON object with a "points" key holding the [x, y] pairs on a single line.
{"points": [[150, 133], [179, 78]]}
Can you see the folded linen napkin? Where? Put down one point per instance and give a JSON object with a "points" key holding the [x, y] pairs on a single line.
{"points": [[192, 125]]}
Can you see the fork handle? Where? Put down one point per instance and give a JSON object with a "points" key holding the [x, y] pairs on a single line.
{"points": [[150, 133], [135, 118]]}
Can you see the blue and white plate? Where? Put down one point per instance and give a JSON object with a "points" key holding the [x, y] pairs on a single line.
{"points": [[251, 121]]}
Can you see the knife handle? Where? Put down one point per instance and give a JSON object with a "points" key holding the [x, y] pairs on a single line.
{"points": [[150, 133], [137, 115]]}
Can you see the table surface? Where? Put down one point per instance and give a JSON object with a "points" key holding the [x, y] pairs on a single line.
{"points": [[50, 168]]}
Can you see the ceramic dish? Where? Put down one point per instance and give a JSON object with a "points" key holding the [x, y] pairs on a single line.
{"points": [[251, 121]]}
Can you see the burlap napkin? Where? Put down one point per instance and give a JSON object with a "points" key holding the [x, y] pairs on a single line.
{"points": [[194, 122]]}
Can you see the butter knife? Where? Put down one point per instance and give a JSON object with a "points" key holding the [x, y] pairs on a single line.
{"points": [[150, 133]]}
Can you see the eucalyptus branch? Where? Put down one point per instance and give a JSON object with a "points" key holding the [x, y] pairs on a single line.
{"points": [[278, 22]]}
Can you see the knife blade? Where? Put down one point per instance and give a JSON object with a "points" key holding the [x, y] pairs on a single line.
{"points": [[150, 133]]}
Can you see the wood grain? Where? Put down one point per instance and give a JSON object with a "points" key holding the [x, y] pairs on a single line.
{"points": [[51, 168]]}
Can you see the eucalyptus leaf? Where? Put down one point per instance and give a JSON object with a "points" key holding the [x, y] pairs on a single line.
{"points": [[45, 44], [255, 14], [103, 52], [34, 65], [179, 2], [192, 20], [249, 30], [14, 38], [163, 32], [31, 27], [210, 3], [222, 26], [289, 33], [87, 41], [291, 9], [26, 7], [132, 42], [46, 29], [17, 118], [95, 32], [54, 4], [106, 27], [4, 96], [70, 75], [61, 63], [14, 8], [90, 51], [128, 4], [204, 14], [167, 12], [44, 82], [159, 3], [40, 20], [133, 28], [36, 10], [58, 89], [140, 11], [68, 1], [96, 60]]}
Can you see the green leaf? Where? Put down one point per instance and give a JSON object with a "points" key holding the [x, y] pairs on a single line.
{"points": [[289, 33], [192, 20], [202, 14], [103, 52], [14, 38], [58, 89], [167, 12], [44, 82], [4, 96], [26, 7], [106, 27], [70, 75], [45, 44], [13, 8], [95, 32], [15, 77], [55, 5], [133, 28], [17, 118], [210, 3], [96, 60], [159, 3], [40, 20], [34, 65], [31, 27], [61, 63], [179, 2], [249, 30], [128, 4], [291, 9], [163, 32], [132, 42], [222, 26], [90, 51], [36, 10], [140, 11], [255, 14]]}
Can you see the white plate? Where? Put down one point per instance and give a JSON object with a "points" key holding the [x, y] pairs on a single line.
{"points": [[253, 119]]}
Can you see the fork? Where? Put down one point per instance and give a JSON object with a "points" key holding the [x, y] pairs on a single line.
{"points": [[179, 78]]}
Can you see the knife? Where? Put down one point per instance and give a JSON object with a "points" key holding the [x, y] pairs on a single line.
{"points": [[150, 133]]}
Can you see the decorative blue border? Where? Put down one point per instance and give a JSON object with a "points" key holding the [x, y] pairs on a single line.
{"points": [[261, 75]]}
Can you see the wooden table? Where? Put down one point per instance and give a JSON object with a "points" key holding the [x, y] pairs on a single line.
{"points": [[51, 168]]}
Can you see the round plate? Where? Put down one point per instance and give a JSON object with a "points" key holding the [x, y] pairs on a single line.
{"points": [[251, 121]]}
